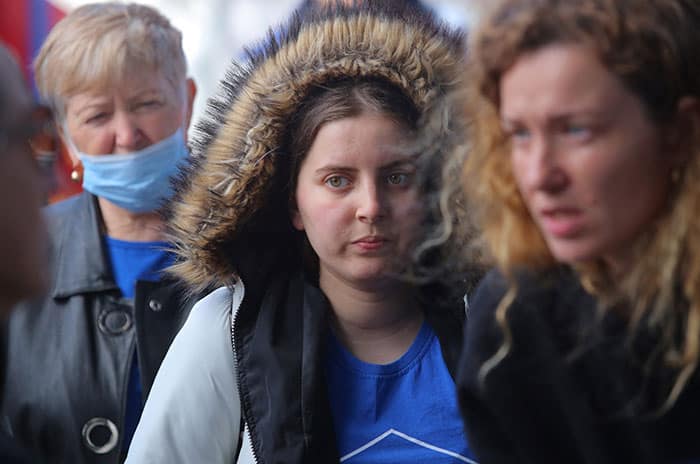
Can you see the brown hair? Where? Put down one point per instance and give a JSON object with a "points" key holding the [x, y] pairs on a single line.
{"points": [[650, 45], [344, 99]]}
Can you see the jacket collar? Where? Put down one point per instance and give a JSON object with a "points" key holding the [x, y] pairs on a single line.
{"points": [[277, 337], [81, 264]]}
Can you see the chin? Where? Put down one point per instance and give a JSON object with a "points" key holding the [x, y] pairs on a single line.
{"points": [[573, 254], [374, 278]]}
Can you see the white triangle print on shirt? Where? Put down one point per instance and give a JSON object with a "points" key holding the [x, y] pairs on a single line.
{"points": [[409, 438]]}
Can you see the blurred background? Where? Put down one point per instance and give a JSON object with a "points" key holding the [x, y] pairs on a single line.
{"points": [[214, 33]]}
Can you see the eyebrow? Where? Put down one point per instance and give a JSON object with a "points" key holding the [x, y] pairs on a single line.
{"points": [[102, 101], [340, 168], [145, 92], [90, 106], [334, 168], [398, 163], [560, 117]]}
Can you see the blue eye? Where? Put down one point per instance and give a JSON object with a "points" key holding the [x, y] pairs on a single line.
{"points": [[337, 182], [520, 133], [577, 130], [398, 179], [517, 134]]}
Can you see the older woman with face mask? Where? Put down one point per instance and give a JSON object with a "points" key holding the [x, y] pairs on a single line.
{"points": [[82, 358]]}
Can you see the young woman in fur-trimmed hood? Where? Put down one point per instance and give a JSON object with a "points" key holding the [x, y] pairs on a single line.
{"points": [[305, 203]]}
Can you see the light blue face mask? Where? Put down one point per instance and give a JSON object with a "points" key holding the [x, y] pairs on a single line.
{"points": [[137, 181]]}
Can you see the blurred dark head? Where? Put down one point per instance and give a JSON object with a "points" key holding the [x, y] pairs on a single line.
{"points": [[23, 270]]}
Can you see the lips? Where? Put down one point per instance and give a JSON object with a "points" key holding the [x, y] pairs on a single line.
{"points": [[562, 222], [371, 242]]}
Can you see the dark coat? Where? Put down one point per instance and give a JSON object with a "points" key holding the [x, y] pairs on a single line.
{"points": [[69, 354], [572, 389], [11, 453]]}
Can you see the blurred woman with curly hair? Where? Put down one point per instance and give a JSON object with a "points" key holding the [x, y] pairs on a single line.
{"points": [[582, 346]]}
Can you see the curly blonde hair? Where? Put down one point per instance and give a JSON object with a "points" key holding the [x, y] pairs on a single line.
{"points": [[650, 46]]}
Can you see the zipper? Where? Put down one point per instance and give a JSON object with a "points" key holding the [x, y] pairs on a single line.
{"points": [[244, 400]]}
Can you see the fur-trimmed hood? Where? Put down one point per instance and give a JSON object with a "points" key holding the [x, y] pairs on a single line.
{"points": [[231, 204]]}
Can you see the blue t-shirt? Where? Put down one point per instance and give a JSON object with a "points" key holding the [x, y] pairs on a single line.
{"points": [[405, 411], [133, 261]]}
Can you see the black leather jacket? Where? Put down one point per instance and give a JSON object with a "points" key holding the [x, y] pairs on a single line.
{"points": [[68, 355]]}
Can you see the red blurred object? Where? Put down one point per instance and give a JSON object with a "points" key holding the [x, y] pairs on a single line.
{"points": [[24, 25]]}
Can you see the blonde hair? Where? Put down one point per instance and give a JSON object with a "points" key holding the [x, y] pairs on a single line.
{"points": [[650, 46], [96, 45]]}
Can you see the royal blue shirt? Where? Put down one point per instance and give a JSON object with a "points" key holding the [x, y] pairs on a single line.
{"points": [[405, 411], [133, 261]]}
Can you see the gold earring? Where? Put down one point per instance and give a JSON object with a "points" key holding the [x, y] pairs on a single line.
{"points": [[76, 176]]}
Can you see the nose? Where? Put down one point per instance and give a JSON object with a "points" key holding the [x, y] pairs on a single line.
{"points": [[127, 134], [538, 168], [371, 206]]}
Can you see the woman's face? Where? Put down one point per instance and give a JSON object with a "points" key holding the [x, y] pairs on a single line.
{"points": [[144, 109], [588, 161], [357, 200]]}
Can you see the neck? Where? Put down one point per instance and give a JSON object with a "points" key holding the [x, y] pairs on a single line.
{"points": [[620, 263], [378, 324], [123, 224]]}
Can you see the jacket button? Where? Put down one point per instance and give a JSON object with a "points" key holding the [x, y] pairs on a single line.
{"points": [[100, 435], [114, 322], [155, 305]]}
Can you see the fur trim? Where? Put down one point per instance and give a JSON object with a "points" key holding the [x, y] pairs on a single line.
{"points": [[225, 195]]}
